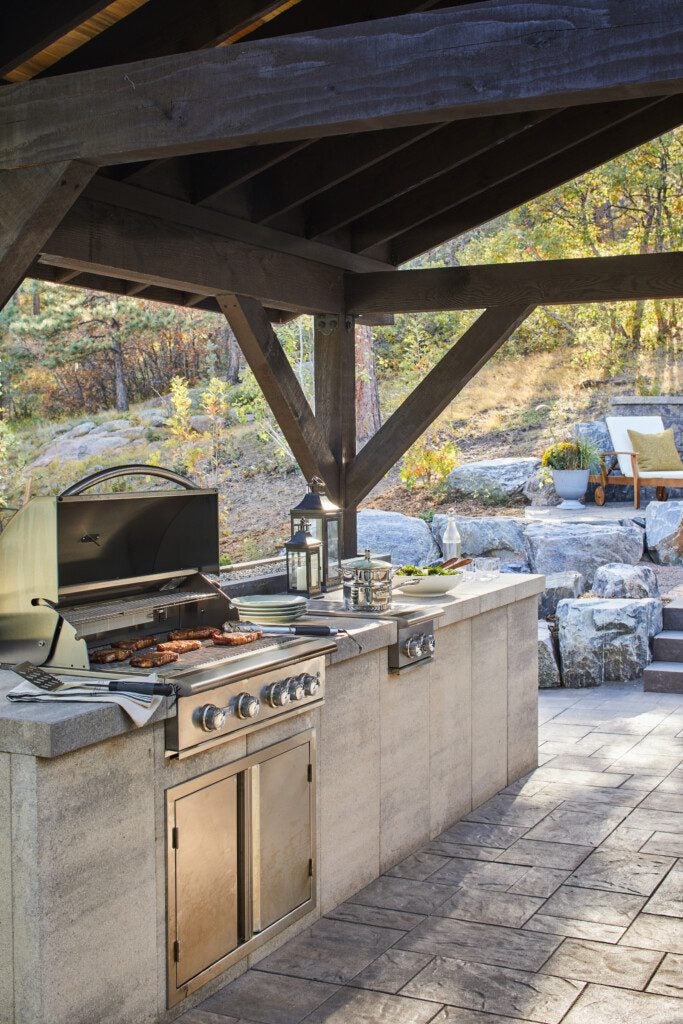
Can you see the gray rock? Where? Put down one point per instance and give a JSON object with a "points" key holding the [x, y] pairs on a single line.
{"points": [[154, 417], [618, 580], [581, 547], [515, 566], [497, 536], [201, 423], [110, 426], [540, 491], [558, 587], [548, 668], [606, 640], [664, 532], [79, 430], [492, 478], [596, 432], [409, 540], [77, 448]]}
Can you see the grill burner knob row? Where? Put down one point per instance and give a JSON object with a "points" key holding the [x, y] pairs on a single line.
{"points": [[311, 684], [296, 688], [247, 706], [277, 694]]}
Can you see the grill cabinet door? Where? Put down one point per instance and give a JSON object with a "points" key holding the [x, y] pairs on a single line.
{"points": [[206, 877], [281, 838]]}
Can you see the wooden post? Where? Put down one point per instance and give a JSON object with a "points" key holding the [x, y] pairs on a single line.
{"points": [[335, 406], [32, 203]]}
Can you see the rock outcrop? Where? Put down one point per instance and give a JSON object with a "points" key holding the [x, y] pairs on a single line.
{"points": [[664, 532], [619, 580], [581, 547], [558, 587], [606, 640], [492, 479], [407, 539]]}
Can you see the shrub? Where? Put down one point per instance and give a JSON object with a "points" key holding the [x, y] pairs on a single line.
{"points": [[428, 463]]}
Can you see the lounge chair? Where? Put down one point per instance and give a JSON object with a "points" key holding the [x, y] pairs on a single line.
{"points": [[626, 459]]}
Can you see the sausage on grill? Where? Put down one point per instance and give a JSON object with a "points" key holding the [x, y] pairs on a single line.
{"points": [[154, 659], [199, 633], [180, 646], [235, 639]]}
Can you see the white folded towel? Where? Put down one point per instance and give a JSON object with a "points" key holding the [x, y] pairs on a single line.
{"points": [[138, 706]]}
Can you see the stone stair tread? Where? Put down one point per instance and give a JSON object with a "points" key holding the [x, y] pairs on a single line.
{"points": [[665, 666], [670, 634]]}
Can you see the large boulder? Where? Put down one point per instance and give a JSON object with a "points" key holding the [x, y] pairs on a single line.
{"points": [[548, 668], [497, 536], [540, 492], [408, 540], [618, 580], [596, 432], [559, 586], [582, 547], [606, 640], [70, 449], [664, 532], [492, 479]]}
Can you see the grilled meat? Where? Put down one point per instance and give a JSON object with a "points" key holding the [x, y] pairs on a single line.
{"points": [[106, 655], [199, 633], [235, 639], [153, 659], [180, 646], [138, 644]]}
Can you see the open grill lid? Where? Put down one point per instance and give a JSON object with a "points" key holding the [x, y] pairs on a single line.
{"points": [[105, 539]]}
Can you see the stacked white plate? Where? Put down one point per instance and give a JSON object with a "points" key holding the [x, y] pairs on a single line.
{"points": [[270, 609]]}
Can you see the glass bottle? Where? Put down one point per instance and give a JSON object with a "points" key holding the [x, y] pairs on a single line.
{"points": [[452, 542]]}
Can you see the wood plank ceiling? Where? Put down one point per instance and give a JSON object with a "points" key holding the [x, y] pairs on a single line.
{"points": [[361, 202]]}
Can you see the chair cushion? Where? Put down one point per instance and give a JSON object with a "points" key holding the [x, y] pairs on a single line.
{"points": [[674, 475], [656, 452], [619, 426]]}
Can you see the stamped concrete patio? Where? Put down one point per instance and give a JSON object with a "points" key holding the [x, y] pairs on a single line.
{"points": [[559, 900]]}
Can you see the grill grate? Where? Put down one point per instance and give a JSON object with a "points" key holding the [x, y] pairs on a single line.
{"points": [[80, 614], [208, 657]]}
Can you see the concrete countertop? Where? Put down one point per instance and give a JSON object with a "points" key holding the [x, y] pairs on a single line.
{"points": [[51, 729]]}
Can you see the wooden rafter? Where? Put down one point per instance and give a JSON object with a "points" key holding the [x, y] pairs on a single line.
{"points": [[432, 395], [32, 203], [31, 26], [545, 176], [466, 62], [549, 282], [270, 366], [326, 163], [445, 150]]}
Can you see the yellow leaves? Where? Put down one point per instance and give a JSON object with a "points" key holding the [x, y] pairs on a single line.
{"points": [[428, 462]]}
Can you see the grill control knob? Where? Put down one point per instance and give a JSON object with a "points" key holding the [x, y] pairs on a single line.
{"points": [[412, 647], [297, 690], [311, 684], [247, 706], [211, 718], [277, 694], [431, 642]]}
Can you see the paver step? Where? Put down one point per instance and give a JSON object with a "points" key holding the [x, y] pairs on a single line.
{"points": [[663, 677], [668, 645], [673, 615]]}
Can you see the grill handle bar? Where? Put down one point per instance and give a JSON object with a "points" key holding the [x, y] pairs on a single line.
{"points": [[131, 469]]}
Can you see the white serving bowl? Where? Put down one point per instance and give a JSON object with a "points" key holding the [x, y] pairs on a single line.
{"points": [[428, 586]]}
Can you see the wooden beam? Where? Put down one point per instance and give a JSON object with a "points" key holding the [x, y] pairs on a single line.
{"points": [[549, 283], [432, 396], [334, 363], [32, 203], [544, 177], [488, 171], [276, 378], [29, 27], [446, 149], [470, 61], [113, 193], [101, 239]]}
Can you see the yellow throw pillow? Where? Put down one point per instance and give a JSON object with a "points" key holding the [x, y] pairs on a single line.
{"points": [[656, 452]]}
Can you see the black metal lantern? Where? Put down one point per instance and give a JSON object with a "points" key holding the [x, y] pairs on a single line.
{"points": [[324, 520], [304, 562]]}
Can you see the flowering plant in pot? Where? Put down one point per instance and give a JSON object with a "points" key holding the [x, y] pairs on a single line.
{"points": [[569, 464]]}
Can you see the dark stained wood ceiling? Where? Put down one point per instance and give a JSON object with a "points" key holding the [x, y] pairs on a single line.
{"points": [[383, 196]]}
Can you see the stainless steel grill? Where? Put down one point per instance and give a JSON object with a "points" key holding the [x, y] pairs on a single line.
{"points": [[81, 571]]}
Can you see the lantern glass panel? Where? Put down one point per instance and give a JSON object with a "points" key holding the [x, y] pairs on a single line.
{"points": [[333, 545], [296, 567], [315, 570]]}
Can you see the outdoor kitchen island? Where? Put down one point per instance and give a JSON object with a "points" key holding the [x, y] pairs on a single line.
{"points": [[87, 843]]}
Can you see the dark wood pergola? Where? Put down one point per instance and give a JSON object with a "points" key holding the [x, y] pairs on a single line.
{"points": [[266, 159]]}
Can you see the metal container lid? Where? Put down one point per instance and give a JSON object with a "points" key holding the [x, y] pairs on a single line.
{"points": [[366, 562]]}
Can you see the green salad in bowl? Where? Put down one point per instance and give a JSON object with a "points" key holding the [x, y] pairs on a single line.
{"points": [[429, 581]]}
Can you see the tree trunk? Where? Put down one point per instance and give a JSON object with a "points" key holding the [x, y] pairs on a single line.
{"points": [[368, 417], [119, 375], [232, 354], [35, 298]]}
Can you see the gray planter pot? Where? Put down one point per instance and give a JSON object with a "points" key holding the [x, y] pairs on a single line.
{"points": [[570, 485]]}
